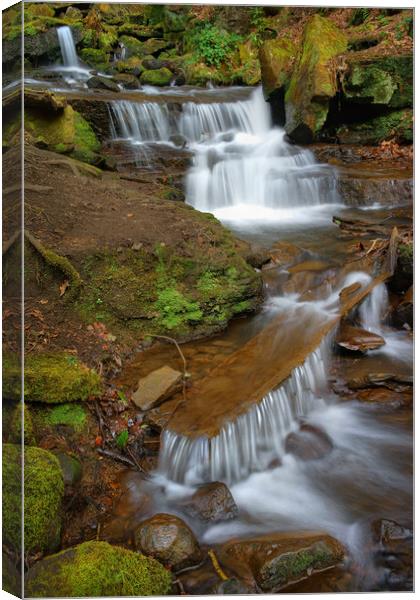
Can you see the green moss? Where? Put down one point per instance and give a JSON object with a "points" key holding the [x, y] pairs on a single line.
{"points": [[175, 309], [159, 77], [71, 415], [134, 47], [132, 65], [382, 80], [397, 125], [43, 493], [277, 58], [14, 433], [313, 82], [97, 569], [94, 57], [50, 378], [65, 132]]}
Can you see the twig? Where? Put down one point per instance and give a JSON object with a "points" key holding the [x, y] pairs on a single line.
{"points": [[116, 456], [133, 458], [193, 568], [180, 586], [216, 566]]}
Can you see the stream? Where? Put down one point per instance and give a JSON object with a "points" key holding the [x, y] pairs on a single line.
{"points": [[265, 190]]}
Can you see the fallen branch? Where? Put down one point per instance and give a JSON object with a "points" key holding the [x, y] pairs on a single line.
{"points": [[116, 456], [216, 566]]}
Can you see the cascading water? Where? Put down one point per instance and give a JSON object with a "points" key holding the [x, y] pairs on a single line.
{"points": [[68, 48], [243, 166]]}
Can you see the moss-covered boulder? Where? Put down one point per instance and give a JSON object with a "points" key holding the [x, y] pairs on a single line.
{"points": [[277, 58], [159, 77], [43, 494], [14, 430], [133, 46], [51, 378], [65, 131], [313, 81], [132, 65], [396, 125], [97, 569], [250, 70], [383, 80], [95, 57]]}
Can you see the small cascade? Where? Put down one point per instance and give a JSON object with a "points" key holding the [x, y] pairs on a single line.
{"points": [[68, 48], [373, 310], [255, 439], [241, 162]]}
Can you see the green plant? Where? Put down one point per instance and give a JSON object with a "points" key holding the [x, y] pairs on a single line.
{"points": [[211, 44], [404, 27], [122, 439], [359, 16]]}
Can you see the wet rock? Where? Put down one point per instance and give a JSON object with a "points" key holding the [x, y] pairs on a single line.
{"points": [[309, 443], [397, 125], [392, 381], [403, 313], [159, 77], [151, 64], [386, 531], [42, 44], [402, 279], [273, 561], [168, 539], [70, 467], [98, 82], [394, 554], [178, 139], [212, 502], [231, 586], [276, 58], [128, 81], [357, 339], [285, 253], [97, 569], [157, 387], [256, 255], [364, 191]]}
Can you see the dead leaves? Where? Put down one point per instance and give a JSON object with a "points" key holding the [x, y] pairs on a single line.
{"points": [[63, 287]]}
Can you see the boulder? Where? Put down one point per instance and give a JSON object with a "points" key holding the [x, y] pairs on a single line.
{"points": [[133, 47], [403, 313], [357, 339], [97, 82], [394, 555], [128, 81], [308, 443], [274, 561], [212, 502], [397, 125], [313, 82], [277, 59], [71, 468], [97, 569], [157, 387], [97, 58], [380, 80], [250, 66], [151, 64], [168, 539], [132, 65], [154, 46], [42, 44], [402, 279], [386, 531], [51, 378], [159, 77], [44, 489]]}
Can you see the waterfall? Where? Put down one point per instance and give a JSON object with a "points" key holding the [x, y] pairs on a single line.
{"points": [[67, 47], [256, 438], [240, 160], [373, 310]]}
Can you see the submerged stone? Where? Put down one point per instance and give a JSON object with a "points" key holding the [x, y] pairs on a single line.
{"points": [[357, 339], [156, 387], [97, 569], [309, 443], [168, 539], [212, 502]]}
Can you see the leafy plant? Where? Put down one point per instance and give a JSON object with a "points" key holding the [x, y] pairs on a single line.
{"points": [[404, 27], [359, 16], [122, 439], [211, 44]]}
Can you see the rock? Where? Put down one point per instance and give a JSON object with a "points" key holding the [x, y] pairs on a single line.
{"points": [[314, 81], [132, 65], [44, 489], [97, 569], [159, 77], [365, 191], [98, 82], [157, 387], [357, 339], [178, 139], [128, 81], [152, 64], [42, 44], [168, 539], [97, 58], [274, 561], [386, 531], [133, 47], [14, 429], [71, 468], [403, 313], [250, 70], [379, 80], [285, 253], [402, 279], [212, 502], [231, 586], [277, 59], [309, 443], [154, 46], [74, 14], [11, 576], [396, 125], [52, 378], [256, 255]]}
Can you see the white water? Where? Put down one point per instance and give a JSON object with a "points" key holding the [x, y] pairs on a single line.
{"points": [[244, 169], [68, 48]]}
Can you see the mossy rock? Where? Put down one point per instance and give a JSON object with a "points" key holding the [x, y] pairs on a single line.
{"points": [[198, 73], [397, 125], [159, 77], [133, 46], [11, 576], [313, 81], [155, 46], [381, 80], [14, 430], [132, 66], [66, 132], [250, 70], [277, 58], [94, 57], [39, 9], [71, 414], [43, 494], [97, 569], [51, 378]]}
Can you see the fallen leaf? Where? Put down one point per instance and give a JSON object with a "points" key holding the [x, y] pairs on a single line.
{"points": [[130, 215], [63, 287], [43, 301]]}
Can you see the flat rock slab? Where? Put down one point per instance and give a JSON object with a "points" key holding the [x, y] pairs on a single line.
{"points": [[357, 339], [157, 387]]}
